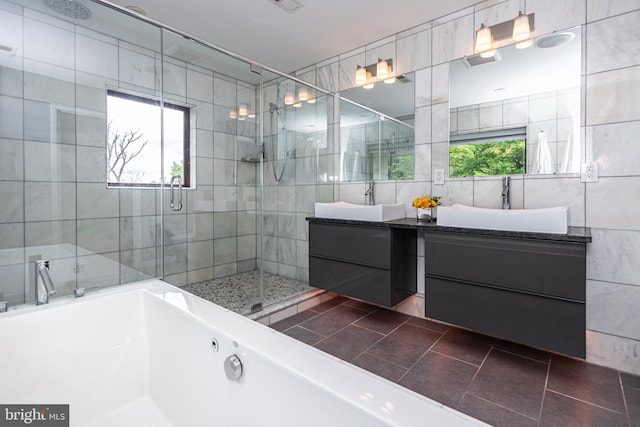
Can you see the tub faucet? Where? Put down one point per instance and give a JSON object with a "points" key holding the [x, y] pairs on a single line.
{"points": [[44, 284], [506, 182], [369, 192]]}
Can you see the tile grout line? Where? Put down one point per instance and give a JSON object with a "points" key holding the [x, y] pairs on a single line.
{"points": [[500, 406], [422, 356], [544, 391], [467, 391], [339, 330], [586, 403], [370, 330], [624, 400]]}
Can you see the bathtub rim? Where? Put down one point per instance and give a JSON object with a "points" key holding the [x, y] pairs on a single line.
{"points": [[354, 382]]}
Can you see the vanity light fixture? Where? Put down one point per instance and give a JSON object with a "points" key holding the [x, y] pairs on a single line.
{"points": [[517, 30], [382, 70], [289, 99], [521, 29], [243, 110], [484, 38], [361, 75], [303, 94]]}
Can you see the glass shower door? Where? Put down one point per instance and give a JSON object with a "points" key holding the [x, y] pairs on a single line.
{"points": [[65, 207], [210, 244]]}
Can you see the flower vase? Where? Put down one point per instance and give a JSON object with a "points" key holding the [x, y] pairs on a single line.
{"points": [[434, 213], [424, 214]]}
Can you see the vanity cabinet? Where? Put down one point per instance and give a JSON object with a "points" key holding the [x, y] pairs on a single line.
{"points": [[372, 263], [524, 290]]}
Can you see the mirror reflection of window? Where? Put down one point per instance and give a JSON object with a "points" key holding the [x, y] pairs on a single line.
{"points": [[489, 153], [537, 88]]}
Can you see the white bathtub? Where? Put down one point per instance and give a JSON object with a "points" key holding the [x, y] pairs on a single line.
{"points": [[141, 355]]}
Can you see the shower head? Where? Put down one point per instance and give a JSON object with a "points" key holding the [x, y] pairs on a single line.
{"points": [[69, 8], [273, 107]]}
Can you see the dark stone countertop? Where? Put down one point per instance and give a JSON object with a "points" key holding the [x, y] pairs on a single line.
{"points": [[574, 234]]}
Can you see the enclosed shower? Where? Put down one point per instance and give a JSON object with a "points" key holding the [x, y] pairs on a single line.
{"points": [[121, 143]]}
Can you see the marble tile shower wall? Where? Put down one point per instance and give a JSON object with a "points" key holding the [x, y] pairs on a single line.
{"points": [[305, 180], [610, 122], [53, 181]]}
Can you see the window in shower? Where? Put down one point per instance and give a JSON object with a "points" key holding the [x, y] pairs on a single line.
{"points": [[134, 152]]}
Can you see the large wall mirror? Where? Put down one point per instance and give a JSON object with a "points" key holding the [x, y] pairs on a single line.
{"points": [[377, 133], [519, 111]]}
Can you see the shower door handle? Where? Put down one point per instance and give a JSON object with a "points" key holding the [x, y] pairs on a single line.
{"points": [[176, 206]]}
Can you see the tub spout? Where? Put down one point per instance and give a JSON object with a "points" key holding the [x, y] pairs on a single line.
{"points": [[44, 284]]}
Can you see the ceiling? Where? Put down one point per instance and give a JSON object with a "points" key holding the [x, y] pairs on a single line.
{"points": [[261, 31]]}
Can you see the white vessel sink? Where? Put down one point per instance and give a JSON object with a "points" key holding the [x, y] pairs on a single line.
{"points": [[344, 210], [545, 220]]}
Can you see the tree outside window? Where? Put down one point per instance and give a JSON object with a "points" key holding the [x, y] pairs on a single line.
{"points": [[134, 150]]}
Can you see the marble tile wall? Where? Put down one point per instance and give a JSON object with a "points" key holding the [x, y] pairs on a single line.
{"points": [[610, 121]]}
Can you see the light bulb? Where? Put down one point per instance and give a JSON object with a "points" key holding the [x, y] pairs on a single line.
{"points": [[289, 99], [303, 94], [233, 114], [524, 44], [298, 104], [390, 80], [488, 53], [361, 75], [369, 86], [243, 110], [382, 69], [521, 29]]}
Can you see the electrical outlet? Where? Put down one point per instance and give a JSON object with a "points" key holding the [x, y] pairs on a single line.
{"points": [[589, 172], [438, 176]]}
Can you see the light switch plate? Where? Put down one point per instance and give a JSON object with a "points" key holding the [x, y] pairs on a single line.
{"points": [[438, 176]]}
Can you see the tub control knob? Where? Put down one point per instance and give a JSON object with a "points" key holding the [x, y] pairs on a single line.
{"points": [[233, 367]]}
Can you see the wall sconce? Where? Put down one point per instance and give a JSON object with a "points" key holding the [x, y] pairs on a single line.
{"points": [[518, 29], [242, 112], [289, 98], [370, 74], [303, 94]]}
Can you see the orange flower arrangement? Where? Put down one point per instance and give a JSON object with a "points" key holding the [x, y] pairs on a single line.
{"points": [[426, 202]]}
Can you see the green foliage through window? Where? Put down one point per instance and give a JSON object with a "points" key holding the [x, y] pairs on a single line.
{"points": [[505, 157]]}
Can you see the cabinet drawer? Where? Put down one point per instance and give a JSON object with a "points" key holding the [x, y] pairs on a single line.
{"points": [[547, 268], [529, 319], [363, 245], [358, 281]]}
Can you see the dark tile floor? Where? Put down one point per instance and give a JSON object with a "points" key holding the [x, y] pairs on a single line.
{"points": [[498, 382]]}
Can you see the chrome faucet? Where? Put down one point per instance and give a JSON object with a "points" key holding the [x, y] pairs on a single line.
{"points": [[369, 192], [506, 182], [44, 284]]}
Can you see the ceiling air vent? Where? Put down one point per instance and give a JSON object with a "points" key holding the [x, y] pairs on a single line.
{"points": [[291, 6], [473, 60]]}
